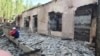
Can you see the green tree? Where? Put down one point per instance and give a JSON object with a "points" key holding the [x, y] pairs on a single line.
{"points": [[10, 8]]}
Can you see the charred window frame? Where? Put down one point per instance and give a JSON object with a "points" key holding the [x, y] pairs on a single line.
{"points": [[84, 11], [87, 10], [35, 21], [27, 21], [4, 20], [55, 21], [18, 18]]}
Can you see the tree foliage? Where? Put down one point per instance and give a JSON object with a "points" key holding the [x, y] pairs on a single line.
{"points": [[10, 8]]}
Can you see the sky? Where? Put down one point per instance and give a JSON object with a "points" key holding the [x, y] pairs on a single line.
{"points": [[35, 2]]}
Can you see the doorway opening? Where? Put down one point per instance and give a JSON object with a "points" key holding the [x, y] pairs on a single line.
{"points": [[27, 21], [82, 22], [35, 23]]}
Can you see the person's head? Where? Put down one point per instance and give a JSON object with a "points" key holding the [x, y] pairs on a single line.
{"points": [[14, 28]]}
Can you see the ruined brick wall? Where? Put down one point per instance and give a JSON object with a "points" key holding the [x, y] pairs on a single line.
{"points": [[30, 13], [66, 7]]}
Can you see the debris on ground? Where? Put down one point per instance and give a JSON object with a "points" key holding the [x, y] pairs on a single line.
{"points": [[55, 46], [6, 45]]}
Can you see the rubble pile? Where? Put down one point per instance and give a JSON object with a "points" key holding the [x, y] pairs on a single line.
{"points": [[8, 46], [55, 46]]}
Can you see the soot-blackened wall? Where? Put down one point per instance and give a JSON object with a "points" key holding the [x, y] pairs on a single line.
{"points": [[83, 16]]}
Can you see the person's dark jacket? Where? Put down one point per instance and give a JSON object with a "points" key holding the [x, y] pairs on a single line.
{"points": [[16, 34]]}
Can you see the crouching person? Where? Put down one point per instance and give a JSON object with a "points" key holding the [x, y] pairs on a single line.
{"points": [[14, 32]]}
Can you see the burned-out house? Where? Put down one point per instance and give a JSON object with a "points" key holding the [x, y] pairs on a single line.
{"points": [[63, 18]]}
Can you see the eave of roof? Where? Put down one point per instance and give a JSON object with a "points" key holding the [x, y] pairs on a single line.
{"points": [[37, 6]]}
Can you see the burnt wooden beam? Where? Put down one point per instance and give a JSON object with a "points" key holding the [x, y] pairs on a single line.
{"points": [[98, 31], [31, 52]]}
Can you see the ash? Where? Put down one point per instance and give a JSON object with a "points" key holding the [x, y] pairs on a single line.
{"points": [[54, 46]]}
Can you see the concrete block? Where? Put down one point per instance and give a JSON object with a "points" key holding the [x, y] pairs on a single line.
{"points": [[26, 48]]}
